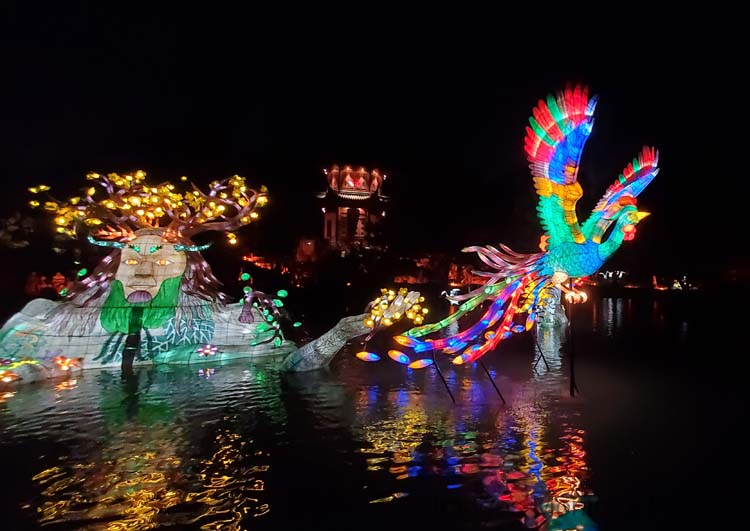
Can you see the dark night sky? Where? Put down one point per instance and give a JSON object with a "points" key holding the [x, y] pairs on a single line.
{"points": [[436, 99]]}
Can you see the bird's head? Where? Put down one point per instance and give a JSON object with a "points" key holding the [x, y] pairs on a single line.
{"points": [[630, 216]]}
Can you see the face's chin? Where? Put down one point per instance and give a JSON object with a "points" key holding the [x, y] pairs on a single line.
{"points": [[139, 296]]}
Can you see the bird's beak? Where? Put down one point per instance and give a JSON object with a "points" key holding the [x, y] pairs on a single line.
{"points": [[641, 215]]}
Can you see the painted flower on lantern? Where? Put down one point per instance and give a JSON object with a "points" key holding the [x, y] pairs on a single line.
{"points": [[65, 363], [207, 350], [9, 377]]}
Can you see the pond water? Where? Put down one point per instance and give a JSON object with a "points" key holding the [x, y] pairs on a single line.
{"points": [[650, 440]]}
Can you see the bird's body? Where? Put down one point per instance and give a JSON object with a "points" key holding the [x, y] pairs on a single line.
{"points": [[515, 284], [573, 259]]}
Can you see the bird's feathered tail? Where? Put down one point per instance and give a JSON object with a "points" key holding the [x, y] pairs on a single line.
{"points": [[513, 287]]}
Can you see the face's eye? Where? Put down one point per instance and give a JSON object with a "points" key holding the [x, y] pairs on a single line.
{"points": [[131, 261], [162, 262]]}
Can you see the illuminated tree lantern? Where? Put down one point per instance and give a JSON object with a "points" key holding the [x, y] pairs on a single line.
{"points": [[153, 298]]}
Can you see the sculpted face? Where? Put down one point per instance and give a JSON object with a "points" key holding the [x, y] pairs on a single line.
{"points": [[145, 263]]}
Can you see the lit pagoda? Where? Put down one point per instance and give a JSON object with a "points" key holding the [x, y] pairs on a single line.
{"points": [[352, 205]]}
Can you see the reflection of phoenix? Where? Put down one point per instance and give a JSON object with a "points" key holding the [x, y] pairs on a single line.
{"points": [[554, 142]]}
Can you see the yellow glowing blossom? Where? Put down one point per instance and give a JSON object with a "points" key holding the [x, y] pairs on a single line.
{"points": [[129, 196]]}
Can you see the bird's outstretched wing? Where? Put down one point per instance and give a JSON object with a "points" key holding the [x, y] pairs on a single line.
{"points": [[554, 142], [632, 181]]}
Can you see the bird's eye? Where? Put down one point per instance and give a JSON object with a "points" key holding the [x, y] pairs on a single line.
{"points": [[162, 262], [131, 261]]}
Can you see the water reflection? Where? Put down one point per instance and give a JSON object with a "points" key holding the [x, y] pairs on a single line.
{"points": [[224, 446], [129, 456], [510, 463]]}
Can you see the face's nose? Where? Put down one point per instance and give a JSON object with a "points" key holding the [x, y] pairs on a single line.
{"points": [[145, 269]]}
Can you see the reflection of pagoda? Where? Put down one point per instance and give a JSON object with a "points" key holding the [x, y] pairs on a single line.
{"points": [[352, 205]]}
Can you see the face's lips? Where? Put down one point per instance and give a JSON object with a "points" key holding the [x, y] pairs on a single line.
{"points": [[139, 296]]}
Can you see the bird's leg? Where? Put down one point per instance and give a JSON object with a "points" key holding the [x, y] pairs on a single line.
{"points": [[440, 373], [572, 295]]}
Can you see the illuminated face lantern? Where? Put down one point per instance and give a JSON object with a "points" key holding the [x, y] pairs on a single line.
{"points": [[145, 263]]}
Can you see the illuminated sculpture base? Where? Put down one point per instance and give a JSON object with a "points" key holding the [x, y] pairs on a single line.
{"points": [[28, 336]]}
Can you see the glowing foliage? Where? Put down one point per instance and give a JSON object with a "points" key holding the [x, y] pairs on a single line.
{"points": [[393, 306], [130, 202]]}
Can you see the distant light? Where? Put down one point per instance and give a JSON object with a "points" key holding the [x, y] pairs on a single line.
{"points": [[245, 276], [82, 272]]}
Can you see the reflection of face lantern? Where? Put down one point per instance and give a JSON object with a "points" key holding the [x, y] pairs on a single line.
{"points": [[145, 263]]}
